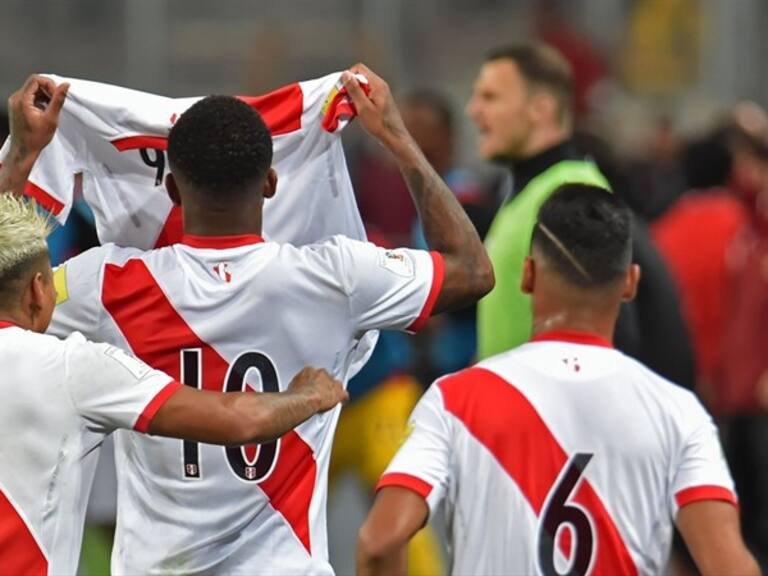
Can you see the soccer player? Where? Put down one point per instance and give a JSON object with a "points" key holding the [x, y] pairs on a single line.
{"points": [[225, 309], [563, 456], [61, 397]]}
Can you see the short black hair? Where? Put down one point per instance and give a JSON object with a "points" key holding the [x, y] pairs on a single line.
{"points": [[220, 145], [433, 100], [542, 66], [585, 232]]}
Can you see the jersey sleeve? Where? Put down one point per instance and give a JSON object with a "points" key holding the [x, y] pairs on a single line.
{"points": [[78, 284], [111, 389], [389, 289], [701, 472], [423, 462]]}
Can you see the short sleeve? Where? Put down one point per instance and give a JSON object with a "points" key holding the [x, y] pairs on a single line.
{"points": [[423, 462], [701, 472], [78, 292], [389, 289], [111, 389]]}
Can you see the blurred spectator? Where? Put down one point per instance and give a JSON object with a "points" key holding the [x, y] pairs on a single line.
{"points": [[707, 218], [742, 391]]}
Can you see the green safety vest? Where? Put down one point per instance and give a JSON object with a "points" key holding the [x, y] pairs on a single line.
{"points": [[504, 317]]}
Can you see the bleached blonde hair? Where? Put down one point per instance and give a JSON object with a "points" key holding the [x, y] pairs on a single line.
{"points": [[23, 231]]}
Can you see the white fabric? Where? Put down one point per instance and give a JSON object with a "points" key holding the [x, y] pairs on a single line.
{"points": [[59, 399], [295, 306], [649, 440], [315, 198]]}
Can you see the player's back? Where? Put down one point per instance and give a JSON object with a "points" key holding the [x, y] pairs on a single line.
{"points": [[59, 399], [566, 450], [228, 314]]}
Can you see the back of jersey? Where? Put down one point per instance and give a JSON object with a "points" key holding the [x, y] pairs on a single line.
{"points": [[562, 456], [236, 314]]}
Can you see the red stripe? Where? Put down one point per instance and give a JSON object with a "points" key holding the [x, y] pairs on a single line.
{"points": [[699, 493], [221, 242], [574, 337], [145, 418], [156, 332], [438, 274], [4, 324], [280, 109], [409, 481], [43, 198], [141, 141], [502, 419], [173, 229], [19, 551]]}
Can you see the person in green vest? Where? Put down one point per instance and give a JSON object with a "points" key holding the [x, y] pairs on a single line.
{"points": [[522, 105]]}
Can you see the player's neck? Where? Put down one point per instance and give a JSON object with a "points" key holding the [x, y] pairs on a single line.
{"points": [[16, 317], [564, 320], [200, 222]]}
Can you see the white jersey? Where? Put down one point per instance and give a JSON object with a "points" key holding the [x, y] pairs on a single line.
{"points": [[116, 138], [235, 313], [562, 450], [59, 399]]}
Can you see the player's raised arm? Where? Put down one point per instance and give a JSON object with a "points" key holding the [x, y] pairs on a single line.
{"points": [[34, 116], [712, 532], [245, 417], [448, 230]]}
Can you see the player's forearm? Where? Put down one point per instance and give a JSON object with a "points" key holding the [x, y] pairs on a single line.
{"points": [[15, 169], [447, 228], [373, 559], [263, 417]]}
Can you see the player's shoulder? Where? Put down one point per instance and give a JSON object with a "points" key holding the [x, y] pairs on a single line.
{"points": [[102, 255]]}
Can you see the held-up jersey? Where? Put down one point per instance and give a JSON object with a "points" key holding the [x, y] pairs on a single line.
{"points": [[116, 138], [562, 450], [236, 313], [59, 399]]}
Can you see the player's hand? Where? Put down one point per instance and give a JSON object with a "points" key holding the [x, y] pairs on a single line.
{"points": [[376, 111], [34, 113], [319, 387]]}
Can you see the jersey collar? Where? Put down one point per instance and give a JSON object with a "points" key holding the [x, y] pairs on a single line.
{"points": [[221, 242], [4, 324], [574, 337]]}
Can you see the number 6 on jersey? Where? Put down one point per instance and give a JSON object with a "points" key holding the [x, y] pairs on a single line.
{"points": [[558, 515]]}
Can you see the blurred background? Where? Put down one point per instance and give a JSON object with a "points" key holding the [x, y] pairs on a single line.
{"points": [[670, 102]]}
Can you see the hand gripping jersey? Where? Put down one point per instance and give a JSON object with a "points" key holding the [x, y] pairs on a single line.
{"points": [[237, 313], [59, 399], [116, 138], [562, 452]]}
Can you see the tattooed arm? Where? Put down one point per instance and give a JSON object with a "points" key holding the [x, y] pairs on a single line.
{"points": [[448, 230]]}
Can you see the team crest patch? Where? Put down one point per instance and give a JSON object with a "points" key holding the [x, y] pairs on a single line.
{"points": [[398, 262], [222, 271]]}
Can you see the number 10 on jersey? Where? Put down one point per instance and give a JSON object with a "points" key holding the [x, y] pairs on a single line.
{"points": [[244, 467]]}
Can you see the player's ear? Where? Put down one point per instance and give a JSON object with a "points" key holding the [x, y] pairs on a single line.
{"points": [[529, 276], [172, 189], [270, 184], [40, 300], [631, 280]]}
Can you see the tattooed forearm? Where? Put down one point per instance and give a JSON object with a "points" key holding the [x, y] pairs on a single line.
{"points": [[447, 229]]}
